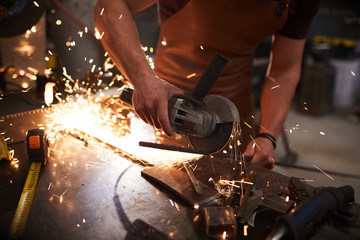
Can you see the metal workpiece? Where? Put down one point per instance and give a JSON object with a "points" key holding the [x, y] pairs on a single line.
{"points": [[220, 222]]}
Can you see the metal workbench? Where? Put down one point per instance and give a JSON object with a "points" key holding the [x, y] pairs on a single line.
{"points": [[91, 192]]}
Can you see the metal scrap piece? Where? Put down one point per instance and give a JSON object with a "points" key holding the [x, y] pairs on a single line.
{"points": [[178, 182], [276, 203], [219, 220], [193, 179]]}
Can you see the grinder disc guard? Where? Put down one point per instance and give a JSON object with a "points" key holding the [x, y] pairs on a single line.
{"points": [[216, 141], [226, 114]]}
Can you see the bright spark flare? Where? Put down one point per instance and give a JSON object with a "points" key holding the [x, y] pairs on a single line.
{"points": [[245, 230], [323, 172], [275, 86], [191, 75]]}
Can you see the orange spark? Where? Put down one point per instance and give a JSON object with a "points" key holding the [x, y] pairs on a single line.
{"points": [[245, 230], [191, 75], [323, 172]]}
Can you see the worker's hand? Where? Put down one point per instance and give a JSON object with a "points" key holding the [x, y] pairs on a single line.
{"points": [[262, 153], [150, 101]]}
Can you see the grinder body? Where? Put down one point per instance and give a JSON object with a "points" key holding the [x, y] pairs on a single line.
{"points": [[207, 120]]}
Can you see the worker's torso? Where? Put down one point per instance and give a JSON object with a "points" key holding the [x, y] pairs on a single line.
{"points": [[190, 38]]}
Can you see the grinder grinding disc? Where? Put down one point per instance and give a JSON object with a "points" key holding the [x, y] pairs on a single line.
{"points": [[226, 114]]}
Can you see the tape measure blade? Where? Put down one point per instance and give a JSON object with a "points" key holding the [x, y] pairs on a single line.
{"points": [[23, 208]]}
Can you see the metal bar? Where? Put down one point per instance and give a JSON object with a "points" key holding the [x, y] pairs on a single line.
{"points": [[245, 197], [171, 148], [193, 179]]}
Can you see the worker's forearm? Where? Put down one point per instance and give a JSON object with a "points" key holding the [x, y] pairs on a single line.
{"points": [[277, 95], [120, 38], [280, 83]]}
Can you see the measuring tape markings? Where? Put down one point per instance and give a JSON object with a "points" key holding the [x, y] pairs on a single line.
{"points": [[37, 152], [23, 208]]}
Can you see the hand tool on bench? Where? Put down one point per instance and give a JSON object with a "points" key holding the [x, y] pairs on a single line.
{"points": [[37, 153], [303, 221]]}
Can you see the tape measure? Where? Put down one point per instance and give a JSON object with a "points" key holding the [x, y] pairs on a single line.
{"points": [[37, 152]]}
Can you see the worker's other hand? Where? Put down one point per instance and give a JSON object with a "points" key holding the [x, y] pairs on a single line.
{"points": [[150, 101], [262, 153]]}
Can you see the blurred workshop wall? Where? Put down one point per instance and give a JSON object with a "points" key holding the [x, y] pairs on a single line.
{"points": [[75, 45], [148, 26], [26, 53], [77, 49], [331, 74]]}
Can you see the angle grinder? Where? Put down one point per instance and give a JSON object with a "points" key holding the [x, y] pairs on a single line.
{"points": [[207, 120]]}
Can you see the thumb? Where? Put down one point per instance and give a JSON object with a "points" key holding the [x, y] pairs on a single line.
{"points": [[250, 150]]}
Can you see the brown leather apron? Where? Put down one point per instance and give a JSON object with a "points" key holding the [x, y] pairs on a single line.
{"points": [[190, 38]]}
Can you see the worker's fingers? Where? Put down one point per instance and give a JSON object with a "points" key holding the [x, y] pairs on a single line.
{"points": [[163, 118], [263, 160], [154, 117], [263, 153], [150, 114], [250, 150], [142, 117]]}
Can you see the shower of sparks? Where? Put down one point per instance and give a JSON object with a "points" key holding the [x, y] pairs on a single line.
{"points": [[36, 4], [177, 206], [191, 75], [224, 235], [87, 111], [271, 78], [248, 125], [323, 172], [49, 93], [245, 230], [232, 182], [254, 142], [287, 199], [61, 199], [306, 180]]}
